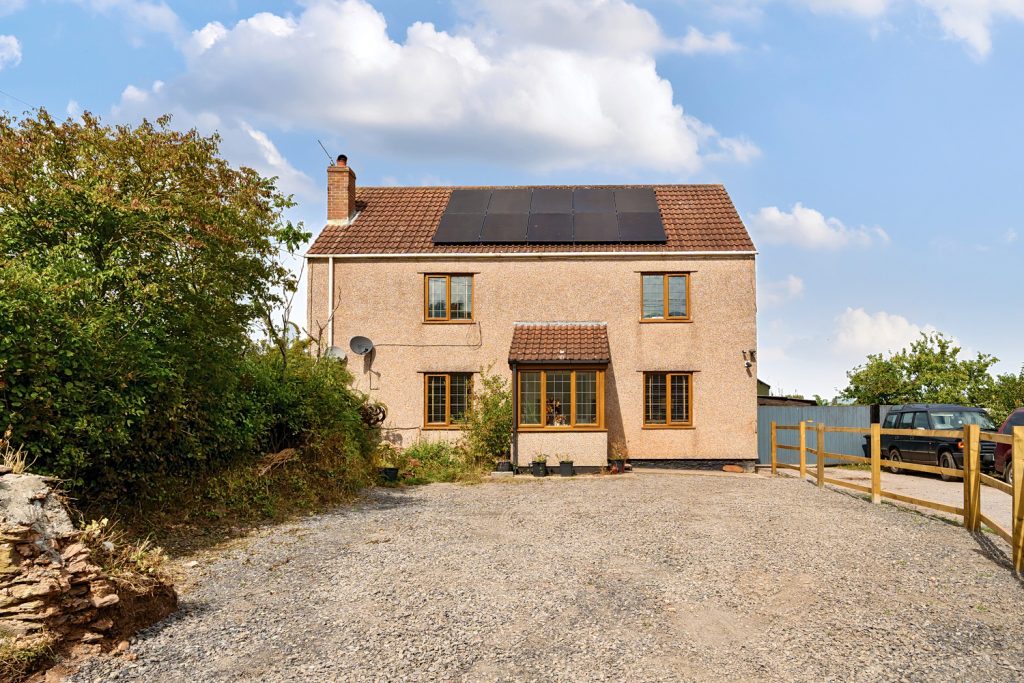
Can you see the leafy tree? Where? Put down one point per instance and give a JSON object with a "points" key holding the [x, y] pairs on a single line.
{"points": [[134, 262], [1006, 395], [930, 371], [488, 432]]}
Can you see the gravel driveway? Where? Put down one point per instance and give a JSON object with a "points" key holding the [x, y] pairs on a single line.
{"points": [[644, 577]]}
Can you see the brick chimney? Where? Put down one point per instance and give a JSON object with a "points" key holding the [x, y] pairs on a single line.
{"points": [[341, 192]]}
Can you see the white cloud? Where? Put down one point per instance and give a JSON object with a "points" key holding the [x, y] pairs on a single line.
{"points": [[858, 332], [807, 228], [778, 292], [1010, 236], [139, 15], [553, 84], [696, 42], [278, 165], [10, 52], [73, 109], [869, 9]]}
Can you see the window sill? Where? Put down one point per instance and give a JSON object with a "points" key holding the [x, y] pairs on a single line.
{"points": [[448, 322], [668, 427], [560, 430], [663, 320], [445, 428]]}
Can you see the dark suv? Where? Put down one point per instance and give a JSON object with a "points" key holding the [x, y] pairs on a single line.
{"points": [[930, 450], [1004, 453]]}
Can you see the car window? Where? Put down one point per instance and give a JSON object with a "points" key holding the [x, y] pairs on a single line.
{"points": [[906, 420], [890, 420], [1016, 420], [921, 421]]}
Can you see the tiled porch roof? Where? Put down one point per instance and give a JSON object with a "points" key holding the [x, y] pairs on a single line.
{"points": [[561, 342]]}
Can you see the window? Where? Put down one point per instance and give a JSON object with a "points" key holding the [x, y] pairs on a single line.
{"points": [[921, 421], [666, 297], [448, 298], [561, 398], [890, 421], [906, 420], [446, 398], [668, 399]]}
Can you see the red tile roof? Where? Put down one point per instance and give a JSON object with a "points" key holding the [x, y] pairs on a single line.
{"points": [[402, 220], [559, 342]]}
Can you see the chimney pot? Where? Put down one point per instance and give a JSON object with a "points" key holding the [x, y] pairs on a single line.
{"points": [[342, 160]]}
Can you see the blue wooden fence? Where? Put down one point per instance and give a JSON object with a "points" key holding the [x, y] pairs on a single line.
{"points": [[833, 416]]}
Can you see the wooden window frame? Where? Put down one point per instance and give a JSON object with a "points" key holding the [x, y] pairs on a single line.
{"points": [[447, 319], [669, 424], [666, 318], [447, 424], [599, 426]]}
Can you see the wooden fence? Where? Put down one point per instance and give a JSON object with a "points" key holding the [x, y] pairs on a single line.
{"points": [[971, 474]]}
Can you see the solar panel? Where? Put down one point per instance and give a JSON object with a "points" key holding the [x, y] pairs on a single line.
{"points": [[595, 227], [551, 200], [504, 227], [458, 228], [636, 199], [468, 201], [509, 201], [597, 201], [549, 227], [641, 227]]}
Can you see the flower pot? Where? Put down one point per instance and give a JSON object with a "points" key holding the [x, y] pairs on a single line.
{"points": [[565, 469], [539, 469], [617, 465], [503, 466], [388, 474]]}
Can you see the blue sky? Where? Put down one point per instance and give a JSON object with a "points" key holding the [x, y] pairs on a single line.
{"points": [[871, 146]]}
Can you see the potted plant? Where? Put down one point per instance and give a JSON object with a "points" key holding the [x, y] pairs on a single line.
{"points": [[565, 466], [539, 466], [387, 462], [617, 457], [504, 463]]}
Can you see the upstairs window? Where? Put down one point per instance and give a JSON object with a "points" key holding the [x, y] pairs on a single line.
{"points": [[448, 298], [666, 297], [446, 398], [668, 399]]}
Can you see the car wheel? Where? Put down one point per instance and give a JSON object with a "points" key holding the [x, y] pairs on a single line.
{"points": [[895, 456], [946, 460], [1008, 472]]}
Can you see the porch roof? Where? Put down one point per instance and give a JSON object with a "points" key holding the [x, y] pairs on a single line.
{"points": [[560, 342]]}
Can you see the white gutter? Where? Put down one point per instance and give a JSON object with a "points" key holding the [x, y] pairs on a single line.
{"points": [[440, 256], [330, 302]]}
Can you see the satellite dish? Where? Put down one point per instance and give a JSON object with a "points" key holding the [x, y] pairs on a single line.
{"points": [[335, 352], [360, 345]]}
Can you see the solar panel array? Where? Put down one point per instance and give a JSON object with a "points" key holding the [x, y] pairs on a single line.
{"points": [[550, 216]]}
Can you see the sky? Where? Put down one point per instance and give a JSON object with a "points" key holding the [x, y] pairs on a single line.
{"points": [[872, 147]]}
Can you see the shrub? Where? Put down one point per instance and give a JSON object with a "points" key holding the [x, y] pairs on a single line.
{"points": [[488, 433], [426, 462]]}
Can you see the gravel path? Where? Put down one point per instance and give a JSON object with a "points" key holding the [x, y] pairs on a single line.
{"points": [[644, 577], [994, 503]]}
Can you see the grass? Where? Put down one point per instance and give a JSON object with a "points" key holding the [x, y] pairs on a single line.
{"points": [[17, 663], [15, 459], [859, 466]]}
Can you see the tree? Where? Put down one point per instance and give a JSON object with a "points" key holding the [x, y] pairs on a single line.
{"points": [[1007, 394], [134, 263], [930, 371]]}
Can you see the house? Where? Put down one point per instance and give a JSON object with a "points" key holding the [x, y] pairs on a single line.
{"points": [[623, 317]]}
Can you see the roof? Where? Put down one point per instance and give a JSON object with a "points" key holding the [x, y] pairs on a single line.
{"points": [[935, 406], [560, 343], [402, 220]]}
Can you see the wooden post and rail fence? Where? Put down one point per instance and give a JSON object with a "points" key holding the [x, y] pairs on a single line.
{"points": [[972, 476]]}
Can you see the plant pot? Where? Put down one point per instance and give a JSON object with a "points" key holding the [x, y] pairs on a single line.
{"points": [[539, 469], [503, 466], [388, 474], [565, 469], [617, 465]]}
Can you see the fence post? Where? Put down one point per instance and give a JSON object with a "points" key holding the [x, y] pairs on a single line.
{"points": [[876, 463], [775, 446], [1017, 528], [972, 482], [803, 449], [821, 455]]}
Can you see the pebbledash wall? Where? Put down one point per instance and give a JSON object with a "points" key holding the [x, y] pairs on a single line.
{"points": [[382, 298]]}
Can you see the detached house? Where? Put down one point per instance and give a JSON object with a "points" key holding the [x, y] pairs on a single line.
{"points": [[623, 317]]}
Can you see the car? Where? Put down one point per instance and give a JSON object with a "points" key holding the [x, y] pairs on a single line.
{"points": [[947, 452], [1004, 452]]}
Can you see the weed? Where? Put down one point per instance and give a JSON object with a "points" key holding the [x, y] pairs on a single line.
{"points": [[15, 459]]}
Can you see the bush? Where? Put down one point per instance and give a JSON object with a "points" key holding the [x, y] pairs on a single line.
{"points": [[426, 462], [488, 434]]}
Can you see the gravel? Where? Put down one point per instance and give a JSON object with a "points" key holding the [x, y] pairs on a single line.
{"points": [[643, 577]]}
